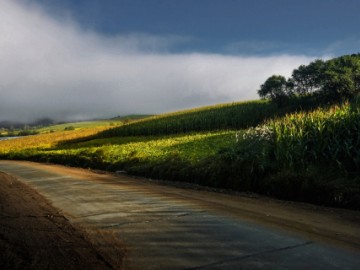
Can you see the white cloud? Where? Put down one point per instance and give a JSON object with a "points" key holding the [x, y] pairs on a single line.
{"points": [[52, 68]]}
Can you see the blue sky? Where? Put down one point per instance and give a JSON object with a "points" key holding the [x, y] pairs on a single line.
{"points": [[226, 26], [83, 59]]}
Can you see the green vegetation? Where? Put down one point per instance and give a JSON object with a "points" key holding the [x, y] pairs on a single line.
{"points": [[42, 126], [80, 125], [220, 117], [308, 155], [321, 82], [312, 156], [133, 153], [17, 132], [131, 117]]}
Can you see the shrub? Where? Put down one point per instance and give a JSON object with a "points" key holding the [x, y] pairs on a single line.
{"points": [[69, 128]]}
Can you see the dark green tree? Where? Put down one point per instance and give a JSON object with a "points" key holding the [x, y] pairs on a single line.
{"points": [[274, 88], [308, 79], [321, 81], [341, 78]]}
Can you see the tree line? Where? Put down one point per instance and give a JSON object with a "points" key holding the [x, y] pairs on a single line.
{"points": [[320, 81]]}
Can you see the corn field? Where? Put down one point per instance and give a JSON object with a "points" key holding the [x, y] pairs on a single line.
{"points": [[328, 136], [309, 156], [221, 117]]}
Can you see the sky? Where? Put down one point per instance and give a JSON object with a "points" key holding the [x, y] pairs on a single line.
{"points": [[86, 59]]}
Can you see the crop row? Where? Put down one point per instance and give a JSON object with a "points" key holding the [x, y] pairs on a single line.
{"points": [[221, 117], [324, 135]]}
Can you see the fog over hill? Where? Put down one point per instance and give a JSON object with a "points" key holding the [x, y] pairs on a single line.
{"points": [[52, 67]]}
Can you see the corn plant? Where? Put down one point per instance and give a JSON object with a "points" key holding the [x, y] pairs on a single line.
{"points": [[329, 136]]}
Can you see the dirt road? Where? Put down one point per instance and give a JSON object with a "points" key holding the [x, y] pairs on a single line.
{"points": [[164, 227], [35, 235]]}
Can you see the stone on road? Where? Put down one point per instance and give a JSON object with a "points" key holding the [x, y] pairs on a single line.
{"points": [[164, 227]]}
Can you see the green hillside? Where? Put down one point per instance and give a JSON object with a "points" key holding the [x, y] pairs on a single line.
{"points": [[79, 125], [230, 116]]}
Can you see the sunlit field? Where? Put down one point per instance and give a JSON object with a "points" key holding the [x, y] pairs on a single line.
{"points": [[308, 156], [81, 125], [231, 116], [47, 140], [190, 148]]}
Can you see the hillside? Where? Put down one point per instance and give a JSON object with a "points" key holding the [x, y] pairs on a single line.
{"points": [[307, 156], [229, 116]]}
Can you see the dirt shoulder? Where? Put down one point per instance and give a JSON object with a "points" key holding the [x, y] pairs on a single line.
{"points": [[35, 235]]}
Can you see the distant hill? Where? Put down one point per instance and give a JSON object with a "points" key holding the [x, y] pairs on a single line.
{"points": [[11, 124], [41, 122]]}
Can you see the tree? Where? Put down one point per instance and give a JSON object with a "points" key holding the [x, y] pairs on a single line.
{"points": [[321, 81], [274, 88], [308, 79], [342, 78]]}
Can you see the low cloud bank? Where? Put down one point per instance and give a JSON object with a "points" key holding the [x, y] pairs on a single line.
{"points": [[56, 69]]}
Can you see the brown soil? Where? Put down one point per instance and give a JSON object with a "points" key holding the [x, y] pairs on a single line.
{"points": [[35, 235]]}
